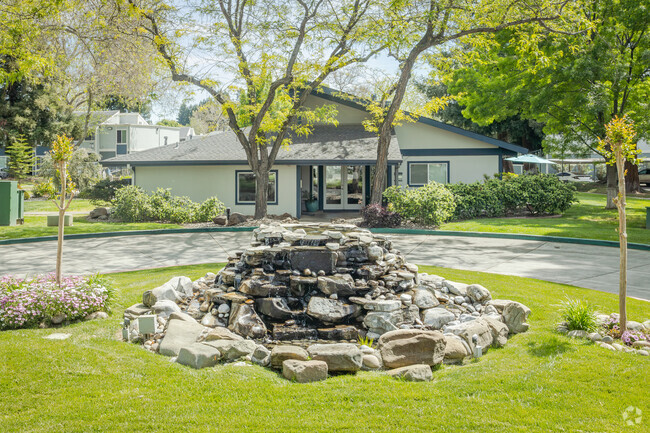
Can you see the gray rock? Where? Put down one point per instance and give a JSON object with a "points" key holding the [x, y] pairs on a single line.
{"points": [[607, 346], [595, 336], [499, 304], [408, 347], [383, 305], [424, 299], [245, 321], [165, 308], [371, 362], [498, 329], [515, 315], [635, 326], [459, 300], [642, 352], [344, 357], [339, 284], [239, 349], [412, 373], [210, 321], [97, 315], [276, 308], [313, 259], [617, 346], [577, 333], [375, 253], [458, 289], [641, 344], [236, 218], [221, 333], [478, 293], [182, 316], [135, 311], [304, 371], [198, 355], [456, 350], [607, 339], [281, 353], [261, 356], [435, 281], [381, 322], [220, 220], [224, 309], [477, 327], [179, 334], [330, 310], [437, 317]]}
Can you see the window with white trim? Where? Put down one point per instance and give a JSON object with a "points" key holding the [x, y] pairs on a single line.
{"points": [[421, 173], [121, 136], [246, 187]]}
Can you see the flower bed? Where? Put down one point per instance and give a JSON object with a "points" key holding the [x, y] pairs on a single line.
{"points": [[39, 301]]}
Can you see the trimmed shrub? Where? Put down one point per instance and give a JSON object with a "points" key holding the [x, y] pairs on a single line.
{"points": [[44, 189], [134, 205], [431, 204], [104, 190], [546, 194], [375, 215]]}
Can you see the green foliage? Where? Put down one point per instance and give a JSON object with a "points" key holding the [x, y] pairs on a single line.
{"points": [[620, 138], [431, 204], [537, 194], [365, 341], [579, 315], [21, 158], [167, 122], [132, 204], [82, 167], [104, 190], [44, 189]]}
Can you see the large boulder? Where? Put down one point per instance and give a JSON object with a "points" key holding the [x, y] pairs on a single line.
{"points": [[515, 315], [498, 329], [424, 299], [437, 317], [179, 334], [412, 373], [411, 346], [344, 357], [245, 321], [135, 311], [330, 310], [276, 308], [281, 353], [466, 330], [304, 371], [222, 333], [338, 284], [261, 356], [456, 350], [381, 322], [458, 289], [165, 308], [478, 293], [198, 355]]}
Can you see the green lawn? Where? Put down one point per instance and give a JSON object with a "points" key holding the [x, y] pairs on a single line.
{"points": [[540, 382], [587, 219], [36, 225], [49, 206]]}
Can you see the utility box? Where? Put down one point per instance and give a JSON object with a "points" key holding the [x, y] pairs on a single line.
{"points": [[53, 220], [12, 203], [647, 217]]}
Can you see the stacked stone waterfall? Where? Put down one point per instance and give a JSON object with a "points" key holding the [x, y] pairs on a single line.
{"points": [[315, 285]]}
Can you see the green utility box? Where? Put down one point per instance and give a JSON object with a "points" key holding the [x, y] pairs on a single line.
{"points": [[12, 203], [647, 217], [53, 220]]}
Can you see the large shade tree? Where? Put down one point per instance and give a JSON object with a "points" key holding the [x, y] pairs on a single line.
{"points": [[413, 28], [273, 53], [575, 83]]}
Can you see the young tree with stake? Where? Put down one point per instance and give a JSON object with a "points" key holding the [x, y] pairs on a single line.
{"points": [[61, 152], [619, 147]]}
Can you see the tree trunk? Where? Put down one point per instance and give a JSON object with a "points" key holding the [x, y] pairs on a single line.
{"points": [[611, 186], [381, 167], [622, 235], [62, 207], [261, 192], [632, 183], [508, 166]]}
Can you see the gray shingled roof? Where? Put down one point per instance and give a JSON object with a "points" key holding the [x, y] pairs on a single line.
{"points": [[326, 145]]}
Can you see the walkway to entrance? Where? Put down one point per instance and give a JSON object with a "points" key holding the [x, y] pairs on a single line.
{"points": [[593, 267]]}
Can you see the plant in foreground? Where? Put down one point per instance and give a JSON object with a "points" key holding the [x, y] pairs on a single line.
{"points": [[579, 315]]}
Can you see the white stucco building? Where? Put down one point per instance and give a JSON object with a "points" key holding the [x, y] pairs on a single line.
{"points": [[335, 164]]}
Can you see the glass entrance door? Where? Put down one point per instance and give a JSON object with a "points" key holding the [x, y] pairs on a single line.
{"points": [[344, 187]]}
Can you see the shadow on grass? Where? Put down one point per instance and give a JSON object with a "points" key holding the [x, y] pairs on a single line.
{"points": [[552, 347]]}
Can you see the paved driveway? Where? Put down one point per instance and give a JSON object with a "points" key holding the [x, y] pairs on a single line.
{"points": [[587, 266]]}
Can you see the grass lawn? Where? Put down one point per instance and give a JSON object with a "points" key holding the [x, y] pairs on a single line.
{"points": [[540, 382], [36, 225], [77, 205], [587, 219]]}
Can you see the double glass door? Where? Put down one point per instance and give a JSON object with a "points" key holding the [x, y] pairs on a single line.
{"points": [[344, 187]]}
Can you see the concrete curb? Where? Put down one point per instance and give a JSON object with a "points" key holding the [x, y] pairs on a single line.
{"points": [[539, 238]]}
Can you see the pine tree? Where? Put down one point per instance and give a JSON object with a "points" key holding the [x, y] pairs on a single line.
{"points": [[21, 158]]}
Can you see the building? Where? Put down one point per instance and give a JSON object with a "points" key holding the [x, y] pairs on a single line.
{"points": [[334, 164], [112, 133]]}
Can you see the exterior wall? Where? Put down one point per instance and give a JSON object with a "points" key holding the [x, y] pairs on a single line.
{"points": [[346, 115], [143, 138], [421, 136], [466, 169], [200, 182]]}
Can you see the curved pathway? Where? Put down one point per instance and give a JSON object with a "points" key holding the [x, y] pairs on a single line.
{"points": [[592, 267]]}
